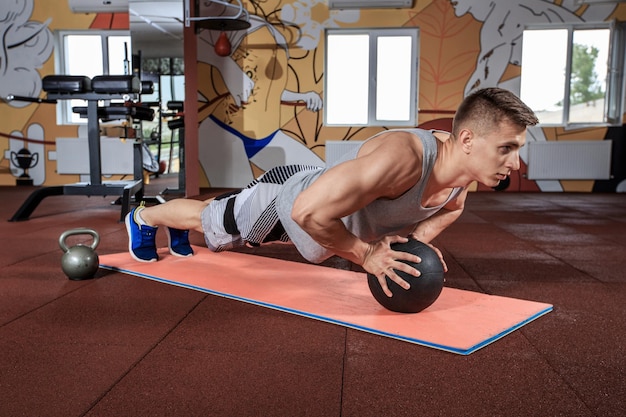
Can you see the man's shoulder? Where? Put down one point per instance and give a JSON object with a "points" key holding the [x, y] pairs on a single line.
{"points": [[399, 143], [394, 136]]}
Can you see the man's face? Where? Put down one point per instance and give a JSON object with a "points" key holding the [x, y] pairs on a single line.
{"points": [[496, 154]]}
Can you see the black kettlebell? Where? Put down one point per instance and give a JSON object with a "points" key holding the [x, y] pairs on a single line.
{"points": [[81, 261]]}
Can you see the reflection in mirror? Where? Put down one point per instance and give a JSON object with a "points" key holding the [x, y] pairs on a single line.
{"points": [[156, 29]]}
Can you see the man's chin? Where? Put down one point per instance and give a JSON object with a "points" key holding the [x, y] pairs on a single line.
{"points": [[491, 184]]}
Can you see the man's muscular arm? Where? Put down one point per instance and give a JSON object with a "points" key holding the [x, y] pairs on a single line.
{"points": [[391, 170], [430, 228]]}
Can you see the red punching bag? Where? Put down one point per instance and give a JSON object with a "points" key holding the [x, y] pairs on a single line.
{"points": [[222, 46]]}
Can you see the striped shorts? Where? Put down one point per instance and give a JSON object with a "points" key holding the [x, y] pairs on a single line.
{"points": [[248, 216]]}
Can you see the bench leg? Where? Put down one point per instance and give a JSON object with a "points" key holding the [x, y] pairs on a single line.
{"points": [[33, 200], [126, 199]]}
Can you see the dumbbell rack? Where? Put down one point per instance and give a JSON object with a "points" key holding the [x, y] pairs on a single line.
{"points": [[81, 89]]}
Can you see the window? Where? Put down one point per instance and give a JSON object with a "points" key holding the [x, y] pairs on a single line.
{"points": [[570, 74], [371, 77], [90, 53]]}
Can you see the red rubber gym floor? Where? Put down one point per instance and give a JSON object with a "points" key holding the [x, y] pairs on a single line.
{"points": [[119, 345]]}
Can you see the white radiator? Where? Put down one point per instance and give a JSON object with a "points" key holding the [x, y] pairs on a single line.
{"points": [[335, 149], [116, 156], [569, 160]]}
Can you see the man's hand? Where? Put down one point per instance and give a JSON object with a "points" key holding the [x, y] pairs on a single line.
{"points": [[382, 261], [440, 255]]}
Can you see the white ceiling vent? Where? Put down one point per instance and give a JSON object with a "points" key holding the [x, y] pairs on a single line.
{"points": [[98, 6], [370, 4]]}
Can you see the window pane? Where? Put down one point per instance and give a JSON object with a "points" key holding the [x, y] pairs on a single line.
{"points": [[173, 87], [615, 78], [393, 75], [544, 59], [347, 79], [590, 54], [119, 55], [84, 55]]}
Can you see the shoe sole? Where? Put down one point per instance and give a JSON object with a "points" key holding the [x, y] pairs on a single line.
{"points": [[169, 245], [130, 242]]}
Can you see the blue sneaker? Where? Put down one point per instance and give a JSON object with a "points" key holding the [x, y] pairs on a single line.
{"points": [[141, 239], [178, 242]]}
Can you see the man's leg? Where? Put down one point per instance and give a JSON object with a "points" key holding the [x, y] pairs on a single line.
{"points": [[179, 216], [181, 213], [247, 215]]}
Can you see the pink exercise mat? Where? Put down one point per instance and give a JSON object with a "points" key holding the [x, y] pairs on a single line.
{"points": [[459, 321]]}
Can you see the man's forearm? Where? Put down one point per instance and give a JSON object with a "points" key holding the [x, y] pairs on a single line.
{"points": [[334, 236], [430, 228]]}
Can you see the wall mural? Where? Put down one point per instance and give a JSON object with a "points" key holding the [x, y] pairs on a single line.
{"points": [[465, 44], [240, 105], [261, 98], [501, 46], [26, 46], [28, 127]]}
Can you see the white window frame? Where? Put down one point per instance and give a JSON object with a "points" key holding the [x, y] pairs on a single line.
{"points": [[62, 57], [374, 33], [615, 80]]}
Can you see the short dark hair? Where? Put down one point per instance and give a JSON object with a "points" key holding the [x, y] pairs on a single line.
{"points": [[486, 108]]}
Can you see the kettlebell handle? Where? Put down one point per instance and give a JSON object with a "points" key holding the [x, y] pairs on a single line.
{"points": [[79, 231]]}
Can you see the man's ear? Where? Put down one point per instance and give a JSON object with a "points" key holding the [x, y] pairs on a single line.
{"points": [[466, 139]]}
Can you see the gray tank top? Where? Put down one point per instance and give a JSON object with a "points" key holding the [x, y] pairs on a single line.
{"points": [[380, 218]]}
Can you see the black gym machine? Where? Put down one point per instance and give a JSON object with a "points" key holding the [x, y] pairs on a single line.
{"points": [[102, 88], [176, 123]]}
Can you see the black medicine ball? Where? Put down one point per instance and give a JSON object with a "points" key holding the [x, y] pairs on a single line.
{"points": [[424, 290]]}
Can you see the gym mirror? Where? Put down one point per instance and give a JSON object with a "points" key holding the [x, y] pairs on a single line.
{"points": [[156, 29]]}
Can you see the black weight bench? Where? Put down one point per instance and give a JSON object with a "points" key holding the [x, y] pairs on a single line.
{"points": [[117, 112], [93, 90]]}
